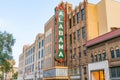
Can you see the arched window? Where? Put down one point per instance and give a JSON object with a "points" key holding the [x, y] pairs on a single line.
{"points": [[100, 56], [104, 55], [117, 52], [92, 57], [96, 57], [112, 53]]}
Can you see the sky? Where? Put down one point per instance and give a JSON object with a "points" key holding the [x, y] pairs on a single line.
{"points": [[26, 18]]}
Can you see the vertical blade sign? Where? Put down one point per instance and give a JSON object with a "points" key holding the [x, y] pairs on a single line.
{"points": [[60, 19]]}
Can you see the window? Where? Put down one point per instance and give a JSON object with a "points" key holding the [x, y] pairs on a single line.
{"points": [[71, 53], [85, 70], [78, 35], [74, 36], [115, 72], [83, 14], [74, 20], [84, 32], [78, 17], [42, 43], [74, 55], [39, 55], [38, 65], [70, 71], [100, 57], [42, 53], [39, 45], [85, 51], [112, 53], [118, 71], [92, 57], [33, 49], [104, 55], [33, 58], [75, 70], [96, 58], [41, 64], [70, 23], [117, 52], [78, 70], [79, 50], [32, 67], [70, 39]]}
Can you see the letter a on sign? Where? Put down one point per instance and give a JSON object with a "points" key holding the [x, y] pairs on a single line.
{"points": [[61, 13], [61, 54]]}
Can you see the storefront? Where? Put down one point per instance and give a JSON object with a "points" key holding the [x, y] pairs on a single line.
{"points": [[99, 71], [98, 75], [56, 73]]}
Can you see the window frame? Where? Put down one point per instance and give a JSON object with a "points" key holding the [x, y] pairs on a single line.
{"points": [[84, 32], [117, 52], [83, 14], [78, 17], [112, 53]]}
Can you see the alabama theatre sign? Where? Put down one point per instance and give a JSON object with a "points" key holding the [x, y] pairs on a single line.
{"points": [[60, 32]]}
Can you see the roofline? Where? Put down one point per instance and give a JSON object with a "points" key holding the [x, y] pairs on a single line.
{"points": [[89, 43], [49, 20]]}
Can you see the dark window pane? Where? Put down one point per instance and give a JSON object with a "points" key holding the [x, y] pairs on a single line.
{"points": [[84, 32], [74, 55], [70, 39], [83, 14], [104, 56], [78, 17], [96, 58], [100, 57], [112, 54], [74, 36], [84, 70], [42, 53], [113, 72], [71, 54], [92, 57], [33, 58], [78, 35], [85, 51], [39, 44], [70, 23], [32, 67], [118, 71], [39, 55], [79, 50], [42, 43], [73, 20], [118, 53]]}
